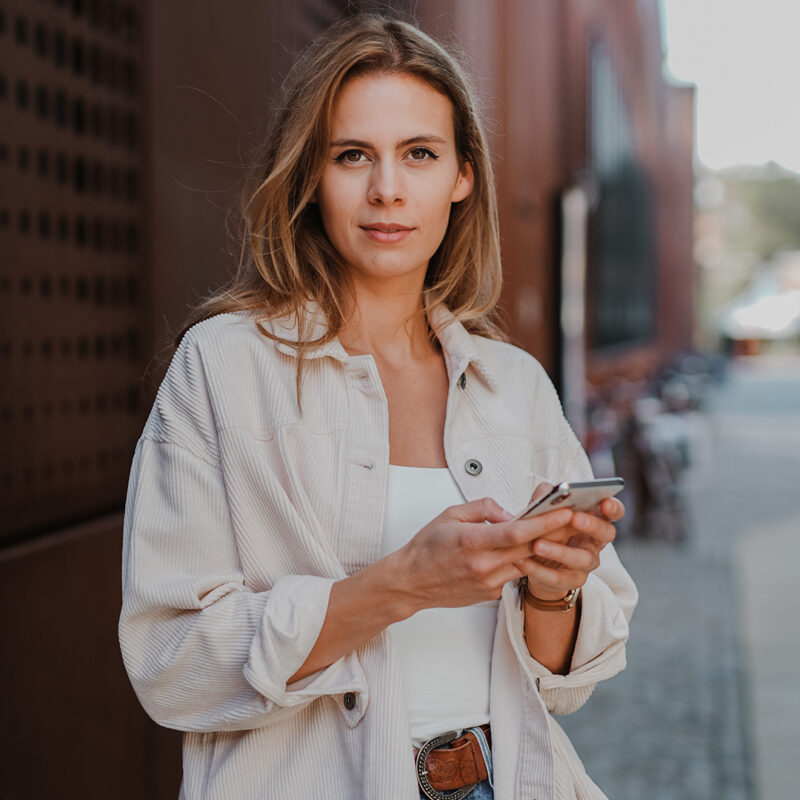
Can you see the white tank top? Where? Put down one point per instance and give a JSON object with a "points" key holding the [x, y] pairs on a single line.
{"points": [[445, 653]]}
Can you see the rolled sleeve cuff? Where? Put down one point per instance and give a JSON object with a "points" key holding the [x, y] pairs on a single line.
{"points": [[290, 625], [602, 633], [599, 649]]}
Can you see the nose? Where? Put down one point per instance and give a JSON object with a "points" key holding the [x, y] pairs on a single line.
{"points": [[386, 185]]}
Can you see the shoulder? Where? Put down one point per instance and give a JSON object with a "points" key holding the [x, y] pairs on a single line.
{"points": [[507, 362], [519, 381], [227, 346], [506, 353], [217, 359], [523, 383], [219, 330], [212, 352], [229, 351]]}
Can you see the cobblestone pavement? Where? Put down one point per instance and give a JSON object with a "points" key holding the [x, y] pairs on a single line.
{"points": [[692, 717]]}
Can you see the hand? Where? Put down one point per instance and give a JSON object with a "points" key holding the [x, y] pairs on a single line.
{"points": [[563, 559], [458, 560]]}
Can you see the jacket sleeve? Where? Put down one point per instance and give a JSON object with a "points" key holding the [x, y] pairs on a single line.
{"points": [[204, 650], [607, 601], [608, 598]]}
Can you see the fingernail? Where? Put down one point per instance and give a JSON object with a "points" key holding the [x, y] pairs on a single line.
{"points": [[507, 514], [544, 548]]}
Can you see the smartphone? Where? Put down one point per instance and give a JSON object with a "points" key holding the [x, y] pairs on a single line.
{"points": [[578, 495]]}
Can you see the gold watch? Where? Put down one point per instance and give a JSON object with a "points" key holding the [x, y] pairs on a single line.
{"points": [[565, 603]]}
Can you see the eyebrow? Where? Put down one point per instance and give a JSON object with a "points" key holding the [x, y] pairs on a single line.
{"points": [[425, 138]]}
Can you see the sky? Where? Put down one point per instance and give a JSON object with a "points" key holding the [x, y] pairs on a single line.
{"points": [[744, 58]]}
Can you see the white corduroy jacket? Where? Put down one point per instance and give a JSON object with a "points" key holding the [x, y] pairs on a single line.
{"points": [[240, 515]]}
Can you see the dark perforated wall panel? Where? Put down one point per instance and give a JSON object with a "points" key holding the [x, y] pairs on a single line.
{"points": [[71, 239]]}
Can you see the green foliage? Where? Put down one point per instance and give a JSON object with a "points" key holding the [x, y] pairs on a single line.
{"points": [[763, 210]]}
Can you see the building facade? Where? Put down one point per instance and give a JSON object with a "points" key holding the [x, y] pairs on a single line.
{"points": [[124, 127]]}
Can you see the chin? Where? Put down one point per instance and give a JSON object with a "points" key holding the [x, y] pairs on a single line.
{"points": [[387, 269]]}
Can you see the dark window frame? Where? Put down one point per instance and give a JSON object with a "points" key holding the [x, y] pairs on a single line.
{"points": [[621, 248]]}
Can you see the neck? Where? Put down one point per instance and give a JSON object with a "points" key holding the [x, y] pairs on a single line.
{"points": [[391, 326]]}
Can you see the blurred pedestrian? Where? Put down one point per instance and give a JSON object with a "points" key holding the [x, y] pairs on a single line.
{"points": [[310, 589]]}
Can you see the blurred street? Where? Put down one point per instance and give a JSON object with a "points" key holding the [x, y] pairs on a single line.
{"points": [[709, 707]]}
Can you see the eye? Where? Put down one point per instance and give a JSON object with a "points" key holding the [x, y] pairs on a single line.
{"points": [[351, 157], [421, 154]]}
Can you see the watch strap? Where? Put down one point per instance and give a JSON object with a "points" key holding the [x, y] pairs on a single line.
{"points": [[565, 603]]}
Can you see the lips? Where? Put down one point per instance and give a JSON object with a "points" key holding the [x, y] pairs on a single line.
{"points": [[386, 227], [386, 232]]}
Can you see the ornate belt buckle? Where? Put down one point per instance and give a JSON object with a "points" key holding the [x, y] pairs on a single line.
{"points": [[422, 773]]}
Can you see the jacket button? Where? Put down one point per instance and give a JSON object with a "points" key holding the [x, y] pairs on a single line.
{"points": [[349, 701], [462, 381], [473, 466]]}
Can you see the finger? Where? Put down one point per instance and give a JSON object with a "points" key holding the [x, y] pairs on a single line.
{"points": [[561, 556], [510, 572], [586, 531], [549, 580], [519, 552], [483, 510], [522, 531], [546, 562], [612, 509], [495, 578], [594, 527]]}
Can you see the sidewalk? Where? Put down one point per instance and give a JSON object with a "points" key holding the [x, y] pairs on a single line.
{"points": [[768, 559], [709, 707]]}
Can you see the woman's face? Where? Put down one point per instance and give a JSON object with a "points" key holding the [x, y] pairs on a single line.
{"points": [[390, 176]]}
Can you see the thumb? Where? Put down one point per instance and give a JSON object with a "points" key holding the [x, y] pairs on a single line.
{"points": [[483, 510]]}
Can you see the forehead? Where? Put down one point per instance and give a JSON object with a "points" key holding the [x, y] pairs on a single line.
{"points": [[392, 105]]}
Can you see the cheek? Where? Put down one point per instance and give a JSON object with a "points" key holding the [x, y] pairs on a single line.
{"points": [[334, 208], [438, 212], [334, 194], [439, 198]]}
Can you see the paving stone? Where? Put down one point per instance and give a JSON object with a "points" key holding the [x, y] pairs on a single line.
{"points": [[675, 724]]}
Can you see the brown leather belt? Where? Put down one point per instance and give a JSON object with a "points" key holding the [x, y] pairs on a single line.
{"points": [[455, 764]]}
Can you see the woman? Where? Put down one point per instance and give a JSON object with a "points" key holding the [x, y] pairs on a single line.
{"points": [[310, 589]]}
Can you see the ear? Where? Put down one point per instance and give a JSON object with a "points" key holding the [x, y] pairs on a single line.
{"points": [[464, 184]]}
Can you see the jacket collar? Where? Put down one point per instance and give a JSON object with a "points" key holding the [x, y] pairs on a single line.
{"points": [[461, 349], [287, 327]]}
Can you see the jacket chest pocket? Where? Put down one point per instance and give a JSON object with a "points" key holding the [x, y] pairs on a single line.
{"points": [[496, 466]]}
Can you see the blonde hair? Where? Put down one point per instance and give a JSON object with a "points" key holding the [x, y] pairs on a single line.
{"points": [[286, 259]]}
